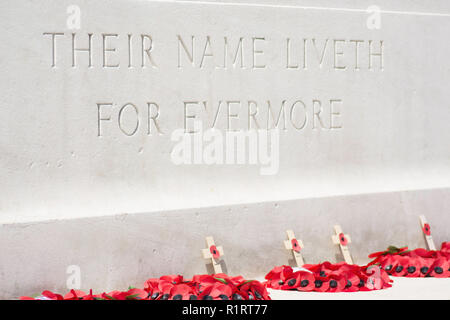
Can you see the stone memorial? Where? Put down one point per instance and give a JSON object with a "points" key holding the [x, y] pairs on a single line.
{"points": [[132, 129]]}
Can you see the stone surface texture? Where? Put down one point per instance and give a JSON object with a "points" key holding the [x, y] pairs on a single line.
{"points": [[90, 186]]}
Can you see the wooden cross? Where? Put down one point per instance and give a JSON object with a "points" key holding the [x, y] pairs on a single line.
{"points": [[214, 253], [295, 246], [426, 229], [342, 240]]}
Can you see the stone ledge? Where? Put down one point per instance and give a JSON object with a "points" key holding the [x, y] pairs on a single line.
{"points": [[114, 252]]}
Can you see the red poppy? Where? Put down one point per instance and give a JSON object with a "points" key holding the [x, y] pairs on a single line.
{"points": [[204, 279], [136, 294], [305, 281], [415, 265], [337, 282], [295, 246], [440, 268], [300, 280], [426, 229], [343, 239], [277, 276], [423, 253], [399, 266], [215, 253], [389, 263], [90, 296], [234, 280], [255, 290], [182, 292], [74, 295], [174, 279], [321, 284], [52, 296], [164, 290], [216, 291], [352, 281], [445, 246], [131, 294], [113, 295]]}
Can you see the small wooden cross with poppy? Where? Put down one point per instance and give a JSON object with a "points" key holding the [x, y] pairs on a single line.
{"points": [[214, 253], [295, 246], [427, 233], [342, 240]]}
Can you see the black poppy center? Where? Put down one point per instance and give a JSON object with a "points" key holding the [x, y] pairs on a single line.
{"points": [[424, 270], [193, 297], [155, 295], [223, 297], [165, 296], [318, 283], [388, 268], [207, 297], [349, 284], [236, 296], [438, 270], [322, 273], [291, 282], [361, 283], [399, 269], [304, 283], [333, 283], [177, 297], [411, 269]]}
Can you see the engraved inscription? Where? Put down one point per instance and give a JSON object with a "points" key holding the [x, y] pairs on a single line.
{"points": [[206, 52], [113, 50]]}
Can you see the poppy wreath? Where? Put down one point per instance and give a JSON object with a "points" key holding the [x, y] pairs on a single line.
{"points": [[328, 277], [417, 263], [174, 287]]}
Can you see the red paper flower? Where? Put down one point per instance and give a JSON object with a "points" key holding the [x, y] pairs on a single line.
{"points": [[343, 239], [337, 282], [440, 268], [215, 253], [305, 281], [352, 282], [321, 284], [182, 292], [445, 247], [400, 266], [295, 246], [255, 290], [217, 291], [75, 295], [278, 276], [426, 229], [52, 296], [174, 279]]}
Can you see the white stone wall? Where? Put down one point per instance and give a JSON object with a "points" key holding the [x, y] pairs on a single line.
{"points": [[86, 172]]}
